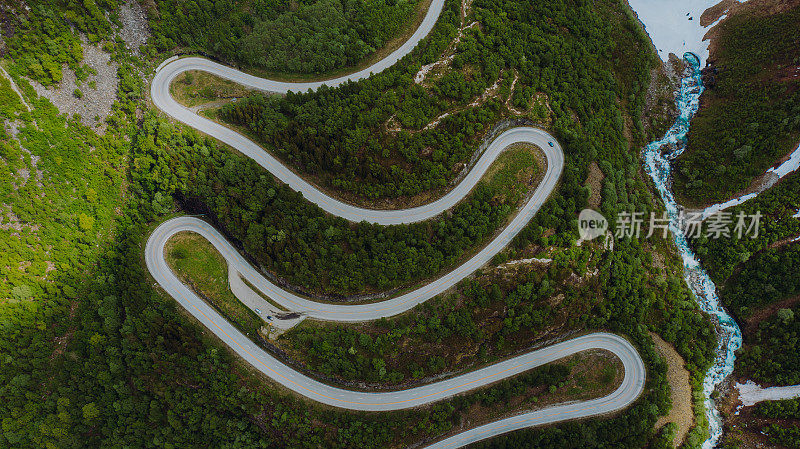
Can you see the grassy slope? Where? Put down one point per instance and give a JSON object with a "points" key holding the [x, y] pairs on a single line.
{"points": [[199, 265], [196, 88]]}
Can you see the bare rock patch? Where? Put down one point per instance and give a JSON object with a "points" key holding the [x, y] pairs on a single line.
{"points": [[92, 99], [135, 30]]}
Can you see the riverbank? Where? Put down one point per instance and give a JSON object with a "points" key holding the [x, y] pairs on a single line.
{"points": [[658, 158]]}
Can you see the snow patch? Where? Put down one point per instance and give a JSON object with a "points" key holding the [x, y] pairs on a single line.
{"points": [[674, 25], [774, 174], [751, 393], [719, 207], [791, 164]]}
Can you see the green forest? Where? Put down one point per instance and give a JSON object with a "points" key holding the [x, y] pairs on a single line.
{"points": [[766, 278], [749, 116], [296, 240], [338, 135], [769, 356], [749, 120], [93, 355], [745, 268], [305, 37], [62, 185], [754, 275]]}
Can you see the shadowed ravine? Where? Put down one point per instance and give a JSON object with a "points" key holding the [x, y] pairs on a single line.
{"points": [[658, 156]]}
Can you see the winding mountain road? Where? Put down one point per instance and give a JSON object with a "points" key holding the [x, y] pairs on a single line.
{"points": [[634, 377], [362, 312]]}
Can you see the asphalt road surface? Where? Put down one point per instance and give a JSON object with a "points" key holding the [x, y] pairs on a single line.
{"points": [[634, 378], [394, 306]]}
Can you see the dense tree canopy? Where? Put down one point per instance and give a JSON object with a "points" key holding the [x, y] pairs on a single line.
{"points": [[311, 36], [293, 238], [770, 355], [93, 355], [753, 272], [340, 135], [750, 113]]}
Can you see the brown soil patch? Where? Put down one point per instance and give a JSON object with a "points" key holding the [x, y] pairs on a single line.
{"points": [[782, 242], [743, 429], [760, 183], [751, 323], [713, 13], [659, 259], [756, 8], [594, 180], [763, 8], [61, 342], [681, 391], [195, 88]]}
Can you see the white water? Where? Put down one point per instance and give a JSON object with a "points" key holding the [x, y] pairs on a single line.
{"points": [[657, 158]]}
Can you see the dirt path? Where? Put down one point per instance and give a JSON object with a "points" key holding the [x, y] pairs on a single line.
{"points": [[680, 389]]}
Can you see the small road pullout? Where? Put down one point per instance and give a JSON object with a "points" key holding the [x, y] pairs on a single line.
{"points": [[635, 373]]}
